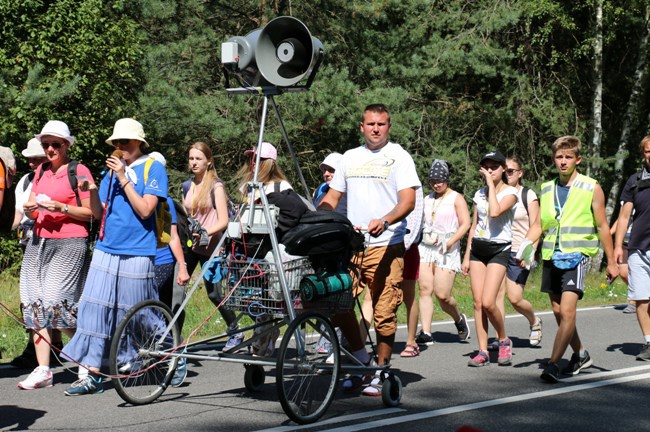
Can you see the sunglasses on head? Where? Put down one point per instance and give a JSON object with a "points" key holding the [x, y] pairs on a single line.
{"points": [[54, 144], [121, 142]]}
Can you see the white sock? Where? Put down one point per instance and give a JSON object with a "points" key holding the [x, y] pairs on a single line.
{"points": [[44, 368], [83, 373], [647, 338]]}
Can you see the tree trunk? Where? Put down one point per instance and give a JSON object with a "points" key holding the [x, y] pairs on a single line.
{"points": [[630, 114], [593, 168]]}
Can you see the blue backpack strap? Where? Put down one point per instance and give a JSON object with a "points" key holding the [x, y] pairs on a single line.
{"points": [[186, 187]]}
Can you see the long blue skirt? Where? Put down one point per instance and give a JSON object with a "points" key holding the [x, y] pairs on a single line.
{"points": [[115, 283]]}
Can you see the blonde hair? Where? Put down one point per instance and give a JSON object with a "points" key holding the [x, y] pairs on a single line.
{"points": [[568, 143], [201, 200], [269, 172], [644, 141]]}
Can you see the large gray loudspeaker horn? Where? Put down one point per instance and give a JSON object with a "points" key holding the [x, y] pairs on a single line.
{"points": [[282, 53]]}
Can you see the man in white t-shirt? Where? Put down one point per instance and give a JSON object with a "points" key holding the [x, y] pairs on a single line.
{"points": [[380, 180]]}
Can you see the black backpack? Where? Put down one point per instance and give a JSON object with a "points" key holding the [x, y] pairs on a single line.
{"points": [[322, 232], [292, 208], [8, 203]]}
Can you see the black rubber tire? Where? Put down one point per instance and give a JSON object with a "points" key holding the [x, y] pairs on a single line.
{"points": [[306, 385], [140, 378], [391, 391], [254, 377]]}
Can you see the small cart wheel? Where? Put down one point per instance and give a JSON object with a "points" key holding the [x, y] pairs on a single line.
{"points": [[391, 391], [306, 381], [254, 377]]}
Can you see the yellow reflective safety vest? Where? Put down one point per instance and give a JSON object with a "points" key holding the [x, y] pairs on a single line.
{"points": [[576, 226]]}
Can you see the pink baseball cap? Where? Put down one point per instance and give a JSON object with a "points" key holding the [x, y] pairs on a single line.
{"points": [[267, 152]]}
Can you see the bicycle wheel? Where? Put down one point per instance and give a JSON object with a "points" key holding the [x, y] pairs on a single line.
{"points": [[137, 362], [305, 382]]}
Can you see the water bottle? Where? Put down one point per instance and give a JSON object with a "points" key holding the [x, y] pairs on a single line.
{"points": [[313, 287]]}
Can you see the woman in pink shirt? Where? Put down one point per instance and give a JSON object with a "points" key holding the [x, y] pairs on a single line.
{"points": [[56, 258]]}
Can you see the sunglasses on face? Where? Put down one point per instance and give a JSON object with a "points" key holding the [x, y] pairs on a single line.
{"points": [[492, 167], [511, 171], [121, 142], [55, 145]]}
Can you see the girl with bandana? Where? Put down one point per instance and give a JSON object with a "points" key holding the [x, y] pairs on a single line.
{"points": [[446, 221]]}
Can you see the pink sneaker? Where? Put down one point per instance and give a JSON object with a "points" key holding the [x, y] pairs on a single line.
{"points": [[505, 352], [37, 379], [479, 360]]}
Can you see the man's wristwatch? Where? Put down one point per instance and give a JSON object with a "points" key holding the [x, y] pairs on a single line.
{"points": [[386, 224], [66, 208]]}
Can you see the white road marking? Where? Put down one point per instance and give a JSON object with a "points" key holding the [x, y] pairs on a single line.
{"points": [[476, 405], [489, 403]]}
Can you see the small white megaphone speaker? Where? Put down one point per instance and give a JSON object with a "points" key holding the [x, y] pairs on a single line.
{"points": [[281, 54]]}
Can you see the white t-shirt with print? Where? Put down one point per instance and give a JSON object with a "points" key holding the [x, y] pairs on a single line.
{"points": [[372, 179], [498, 229]]}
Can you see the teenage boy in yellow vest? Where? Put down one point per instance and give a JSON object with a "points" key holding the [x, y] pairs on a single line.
{"points": [[572, 209]]}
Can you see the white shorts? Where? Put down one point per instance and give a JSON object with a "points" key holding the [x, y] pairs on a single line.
{"points": [[433, 254], [639, 275]]}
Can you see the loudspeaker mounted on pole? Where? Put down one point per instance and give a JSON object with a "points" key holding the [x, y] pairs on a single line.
{"points": [[282, 54]]}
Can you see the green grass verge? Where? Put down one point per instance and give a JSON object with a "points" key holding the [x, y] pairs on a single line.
{"points": [[13, 338]]}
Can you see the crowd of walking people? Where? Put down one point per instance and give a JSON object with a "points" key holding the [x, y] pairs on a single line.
{"points": [[413, 237]]}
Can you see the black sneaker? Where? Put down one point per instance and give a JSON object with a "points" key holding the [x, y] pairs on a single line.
{"points": [[424, 339], [463, 328], [577, 363], [644, 354], [551, 373]]}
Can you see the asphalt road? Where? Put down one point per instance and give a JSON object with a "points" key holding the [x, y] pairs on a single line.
{"points": [[440, 392]]}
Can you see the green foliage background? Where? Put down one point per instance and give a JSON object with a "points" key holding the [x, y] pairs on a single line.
{"points": [[460, 77]]}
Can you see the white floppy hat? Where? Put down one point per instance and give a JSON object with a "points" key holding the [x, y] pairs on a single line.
{"points": [[127, 128], [58, 129], [7, 156], [33, 149], [332, 160]]}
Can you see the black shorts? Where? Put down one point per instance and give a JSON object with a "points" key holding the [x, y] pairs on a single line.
{"points": [[489, 252], [556, 281]]}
